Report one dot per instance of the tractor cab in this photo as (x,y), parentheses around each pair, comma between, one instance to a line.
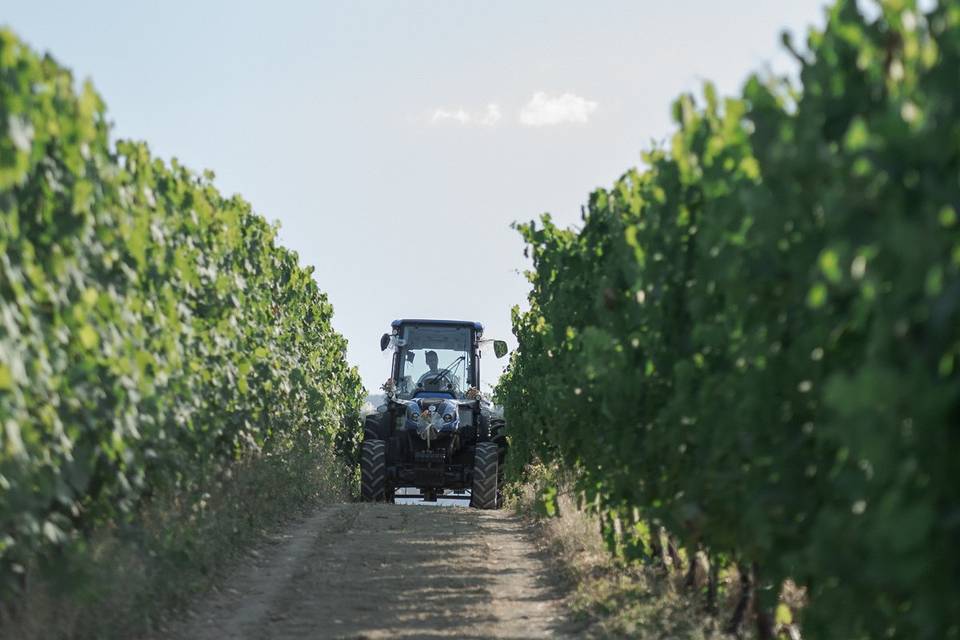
(436,358)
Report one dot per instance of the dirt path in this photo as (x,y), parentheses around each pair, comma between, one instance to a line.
(386,571)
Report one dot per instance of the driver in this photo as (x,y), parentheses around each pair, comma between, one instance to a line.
(436,377)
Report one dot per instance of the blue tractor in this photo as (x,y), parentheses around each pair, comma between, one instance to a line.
(435,431)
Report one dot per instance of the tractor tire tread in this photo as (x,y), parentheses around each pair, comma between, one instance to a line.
(373,471)
(486,477)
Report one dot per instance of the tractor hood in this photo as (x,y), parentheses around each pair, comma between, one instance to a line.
(439,415)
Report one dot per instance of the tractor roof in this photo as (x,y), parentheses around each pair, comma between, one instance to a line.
(439,323)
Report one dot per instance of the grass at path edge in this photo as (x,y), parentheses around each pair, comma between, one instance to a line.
(128,580)
(609,598)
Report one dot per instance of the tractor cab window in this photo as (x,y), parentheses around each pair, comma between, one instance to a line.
(434,359)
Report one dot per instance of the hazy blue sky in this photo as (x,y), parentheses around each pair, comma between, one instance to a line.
(397,141)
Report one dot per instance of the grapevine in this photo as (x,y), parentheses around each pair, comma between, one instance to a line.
(150,328)
(754,339)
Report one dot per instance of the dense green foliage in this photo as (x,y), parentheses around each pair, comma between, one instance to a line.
(756,339)
(150,328)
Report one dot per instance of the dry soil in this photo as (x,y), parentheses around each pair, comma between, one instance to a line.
(388,571)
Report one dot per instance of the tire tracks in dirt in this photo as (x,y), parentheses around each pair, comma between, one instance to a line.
(389,571)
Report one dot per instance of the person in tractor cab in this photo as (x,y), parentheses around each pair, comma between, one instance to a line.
(435,376)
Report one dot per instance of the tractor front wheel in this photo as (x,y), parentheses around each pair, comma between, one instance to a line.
(498,436)
(373,471)
(484,492)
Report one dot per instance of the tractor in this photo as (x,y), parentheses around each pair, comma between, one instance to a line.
(435,431)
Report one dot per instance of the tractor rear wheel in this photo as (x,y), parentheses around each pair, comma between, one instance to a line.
(484,492)
(373,471)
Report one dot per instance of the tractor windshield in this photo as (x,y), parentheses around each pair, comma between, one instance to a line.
(434,359)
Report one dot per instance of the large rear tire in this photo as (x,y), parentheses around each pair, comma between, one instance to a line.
(483,495)
(373,471)
(498,435)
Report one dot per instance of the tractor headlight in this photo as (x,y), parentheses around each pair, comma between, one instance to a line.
(450,414)
(412,413)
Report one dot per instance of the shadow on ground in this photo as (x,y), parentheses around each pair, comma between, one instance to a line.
(405,571)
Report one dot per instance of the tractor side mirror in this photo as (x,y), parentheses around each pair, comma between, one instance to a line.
(384,341)
(499,348)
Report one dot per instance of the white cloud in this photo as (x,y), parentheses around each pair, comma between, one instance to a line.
(544,110)
(492,115)
(488,118)
(459,115)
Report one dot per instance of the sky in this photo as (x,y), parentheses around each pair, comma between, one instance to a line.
(396,141)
